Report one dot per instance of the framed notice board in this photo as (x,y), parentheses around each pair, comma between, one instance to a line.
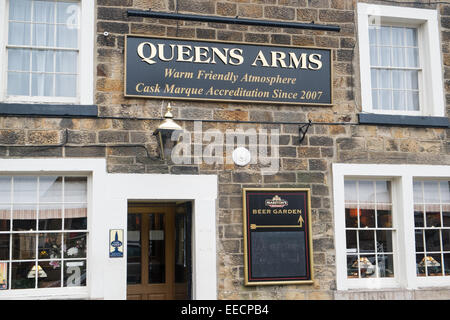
(277,236)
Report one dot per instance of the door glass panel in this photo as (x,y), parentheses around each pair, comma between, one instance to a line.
(180,248)
(134,249)
(156,249)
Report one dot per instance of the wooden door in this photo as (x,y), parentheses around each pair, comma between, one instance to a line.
(154,237)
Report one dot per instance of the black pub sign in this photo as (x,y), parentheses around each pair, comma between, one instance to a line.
(277,236)
(221,71)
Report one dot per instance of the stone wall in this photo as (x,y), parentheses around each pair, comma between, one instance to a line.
(123,132)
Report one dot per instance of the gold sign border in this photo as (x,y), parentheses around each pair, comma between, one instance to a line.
(244,213)
(228,100)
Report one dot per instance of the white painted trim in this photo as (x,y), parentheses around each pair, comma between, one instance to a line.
(403,205)
(107,209)
(431,90)
(85,79)
(3,36)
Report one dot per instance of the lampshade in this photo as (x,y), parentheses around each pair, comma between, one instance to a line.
(164,134)
(41,272)
(429,261)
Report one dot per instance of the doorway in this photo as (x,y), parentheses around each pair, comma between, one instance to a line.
(159,251)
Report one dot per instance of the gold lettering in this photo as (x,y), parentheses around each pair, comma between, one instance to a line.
(140,52)
(295,61)
(315,61)
(262,58)
(278,56)
(199,54)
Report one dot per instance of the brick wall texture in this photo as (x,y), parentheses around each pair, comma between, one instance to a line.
(128,145)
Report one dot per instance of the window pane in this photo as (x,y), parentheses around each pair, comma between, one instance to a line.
(25,189)
(350,191)
(19,33)
(66,61)
(52,271)
(398,79)
(42,85)
(351,217)
(75,245)
(447,264)
(374,55)
(66,37)
(385,36)
(385,79)
(5,189)
(446,240)
(18,84)
(156,249)
(386,56)
(432,240)
(418,215)
(43,60)
(366,241)
(433,215)
(19,60)
(367,266)
(22,275)
(446,215)
(397,37)
(418,192)
(419,240)
(44,35)
(74,273)
(374,78)
(75,217)
(75,189)
(20,10)
(384,216)
(399,100)
(375,99)
(412,98)
(431,191)
(411,37)
(4,246)
(68,13)
(412,57)
(398,57)
(50,217)
(44,11)
(384,241)
(434,265)
(24,217)
(385,265)
(49,246)
(383,193)
(367,218)
(50,189)
(5,217)
(445,191)
(66,85)
(420,265)
(386,99)
(352,266)
(366,192)
(352,246)
(372,35)
(23,246)
(412,80)
(134,249)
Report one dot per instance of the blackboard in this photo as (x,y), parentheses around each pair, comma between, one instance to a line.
(277,236)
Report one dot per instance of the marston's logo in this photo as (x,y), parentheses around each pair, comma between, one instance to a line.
(276,202)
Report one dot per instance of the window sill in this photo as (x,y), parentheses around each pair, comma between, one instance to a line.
(53,110)
(399,120)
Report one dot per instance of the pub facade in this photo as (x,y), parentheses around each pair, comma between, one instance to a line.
(221,149)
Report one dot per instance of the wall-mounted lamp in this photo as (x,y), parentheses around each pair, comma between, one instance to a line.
(164,134)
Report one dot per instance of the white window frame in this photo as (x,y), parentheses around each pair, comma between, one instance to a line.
(85,78)
(401,177)
(431,90)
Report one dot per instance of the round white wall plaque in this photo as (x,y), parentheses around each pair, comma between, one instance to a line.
(241,156)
